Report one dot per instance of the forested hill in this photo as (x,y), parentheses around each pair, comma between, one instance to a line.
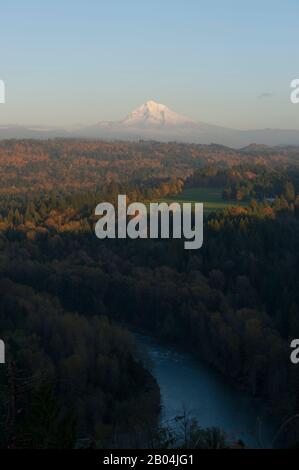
(69,165)
(66,297)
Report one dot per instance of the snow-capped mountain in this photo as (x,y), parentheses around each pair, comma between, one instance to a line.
(155,121)
(154,114)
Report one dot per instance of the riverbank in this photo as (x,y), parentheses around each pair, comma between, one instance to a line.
(191,386)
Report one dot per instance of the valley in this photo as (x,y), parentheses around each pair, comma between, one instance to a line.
(68,298)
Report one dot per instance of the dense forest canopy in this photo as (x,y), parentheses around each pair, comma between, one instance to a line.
(87,165)
(67,298)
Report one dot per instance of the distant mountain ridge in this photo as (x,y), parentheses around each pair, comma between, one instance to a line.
(155,121)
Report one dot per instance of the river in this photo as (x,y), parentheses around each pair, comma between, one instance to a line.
(195,386)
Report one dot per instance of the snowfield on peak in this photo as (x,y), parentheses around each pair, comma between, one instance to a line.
(154,114)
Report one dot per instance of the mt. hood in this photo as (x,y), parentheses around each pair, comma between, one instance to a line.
(154,121)
(154,114)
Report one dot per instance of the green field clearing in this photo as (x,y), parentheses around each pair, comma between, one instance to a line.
(210,197)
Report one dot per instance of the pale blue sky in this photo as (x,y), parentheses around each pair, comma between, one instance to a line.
(225,62)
